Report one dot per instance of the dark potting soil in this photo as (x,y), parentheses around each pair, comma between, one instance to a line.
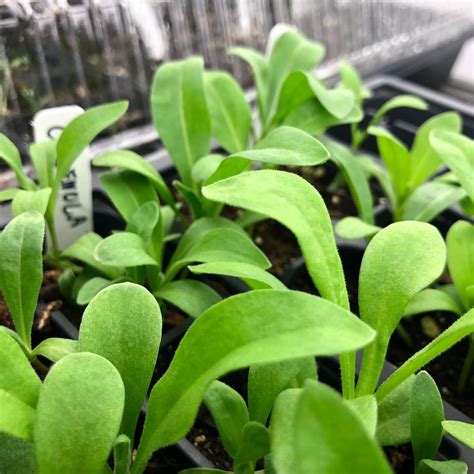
(401,458)
(444,369)
(167,460)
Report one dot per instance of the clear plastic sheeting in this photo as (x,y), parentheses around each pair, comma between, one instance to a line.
(55,52)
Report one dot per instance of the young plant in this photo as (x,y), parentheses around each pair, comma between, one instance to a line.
(400,261)
(52,162)
(457,298)
(104,383)
(406,176)
(21,274)
(136,255)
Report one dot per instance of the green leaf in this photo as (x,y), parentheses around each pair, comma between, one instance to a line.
(90,288)
(220,245)
(266,381)
(430,300)
(442,467)
(206,166)
(460,245)
(16,417)
(82,393)
(424,159)
(301,86)
(8,194)
(229,111)
(83,250)
(373,169)
(461,328)
(192,198)
(123,249)
(255,443)
(282,431)
(322,419)
(351,80)
(366,409)
(143,221)
(191,296)
(355,178)
(21,269)
(457,151)
(11,156)
(55,348)
(287,146)
(43,157)
(130,161)
(123,324)
(464,432)
(393,424)
(395,156)
(16,455)
(355,228)
(254,276)
(312,117)
(128,191)
(198,230)
(78,134)
(426,415)
(230,414)
(259,66)
(25,201)
(256,329)
(180,113)
(400,261)
(122,455)
(294,203)
(409,101)
(290,52)
(430,199)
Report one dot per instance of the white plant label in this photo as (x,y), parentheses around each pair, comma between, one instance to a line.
(73,212)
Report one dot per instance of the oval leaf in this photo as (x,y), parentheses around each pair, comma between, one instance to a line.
(123,249)
(90,387)
(123,324)
(400,261)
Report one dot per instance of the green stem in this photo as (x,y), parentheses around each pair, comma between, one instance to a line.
(467,366)
(371,368)
(54,237)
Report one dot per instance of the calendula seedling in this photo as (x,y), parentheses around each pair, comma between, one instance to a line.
(52,161)
(400,261)
(406,179)
(457,298)
(105,382)
(136,255)
(21,274)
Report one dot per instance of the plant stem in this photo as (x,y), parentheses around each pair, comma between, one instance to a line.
(54,237)
(467,366)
